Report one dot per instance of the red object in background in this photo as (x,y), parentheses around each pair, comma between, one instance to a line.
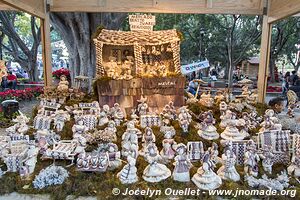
(60,72)
(11,77)
(25,94)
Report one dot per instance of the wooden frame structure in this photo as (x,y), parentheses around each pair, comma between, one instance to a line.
(273,10)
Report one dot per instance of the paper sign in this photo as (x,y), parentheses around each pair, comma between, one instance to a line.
(186,69)
(141,22)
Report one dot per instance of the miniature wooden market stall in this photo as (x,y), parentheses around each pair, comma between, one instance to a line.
(135,64)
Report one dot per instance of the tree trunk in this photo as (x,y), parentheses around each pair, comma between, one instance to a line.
(76,30)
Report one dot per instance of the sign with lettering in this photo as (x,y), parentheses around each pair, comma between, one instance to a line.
(141,22)
(186,69)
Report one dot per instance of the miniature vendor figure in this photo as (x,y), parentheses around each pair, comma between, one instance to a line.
(208,131)
(63,85)
(251,160)
(182,164)
(155,171)
(128,174)
(184,119)
(228,171)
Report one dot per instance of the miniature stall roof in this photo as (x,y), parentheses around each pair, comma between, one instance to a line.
(112,37)
(273,10)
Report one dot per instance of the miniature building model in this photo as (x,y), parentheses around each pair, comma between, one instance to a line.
(144,51)
(135,64)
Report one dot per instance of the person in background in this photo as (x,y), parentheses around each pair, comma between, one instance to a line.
(10,80)
(192,87)
(296,88)
(25,75)
(277,104)
(285,82)
(294,77)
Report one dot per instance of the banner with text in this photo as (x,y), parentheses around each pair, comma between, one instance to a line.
(186,69)
(141,22)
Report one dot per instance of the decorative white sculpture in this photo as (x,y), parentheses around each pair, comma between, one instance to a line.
(109,133)
(223,107)
(294,167)
(20,127)
(182,165)
(52,175)
(268,159)
(148,137)
(92,161)
(279,183)
(206,178)
(184,119)
(206,99)
(169,111)
(130,140)
(63,85)
(228,171)
(168,152)
(59,119)
(79,128)
(103,116)
(207,129)
(251,160)
(231,132)
(142,108)
(271,122)
(195,150)
(128,174)
(155,171)
(219,96)
(117,114)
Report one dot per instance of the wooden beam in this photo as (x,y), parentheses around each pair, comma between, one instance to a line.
(33,7)
(46,49)
(253,7)
(264,59)
(279,9)
(4,6)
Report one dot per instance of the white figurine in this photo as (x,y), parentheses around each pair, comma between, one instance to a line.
(31,158)
(114,156)
(228,171)
(271,122)
(223,107)
(208,131)
(168,151)
(231,132)
(268,159)
(251,160)
(79,128)
(20,127)
(129,140)
(206,178)
(110,131)
(206,99)
(148,137)
(182,165)
(103,116)
(142,108)
(128,174)
(155,171)
(117,114)
(184,119)
(294,167)
(59,120)
(219,97)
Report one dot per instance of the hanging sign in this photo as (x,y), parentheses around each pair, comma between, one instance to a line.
(186,69)
(141,22)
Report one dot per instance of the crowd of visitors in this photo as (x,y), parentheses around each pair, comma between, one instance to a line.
(291,82)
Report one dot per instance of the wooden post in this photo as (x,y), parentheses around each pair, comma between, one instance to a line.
(46,49)
(264,59)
